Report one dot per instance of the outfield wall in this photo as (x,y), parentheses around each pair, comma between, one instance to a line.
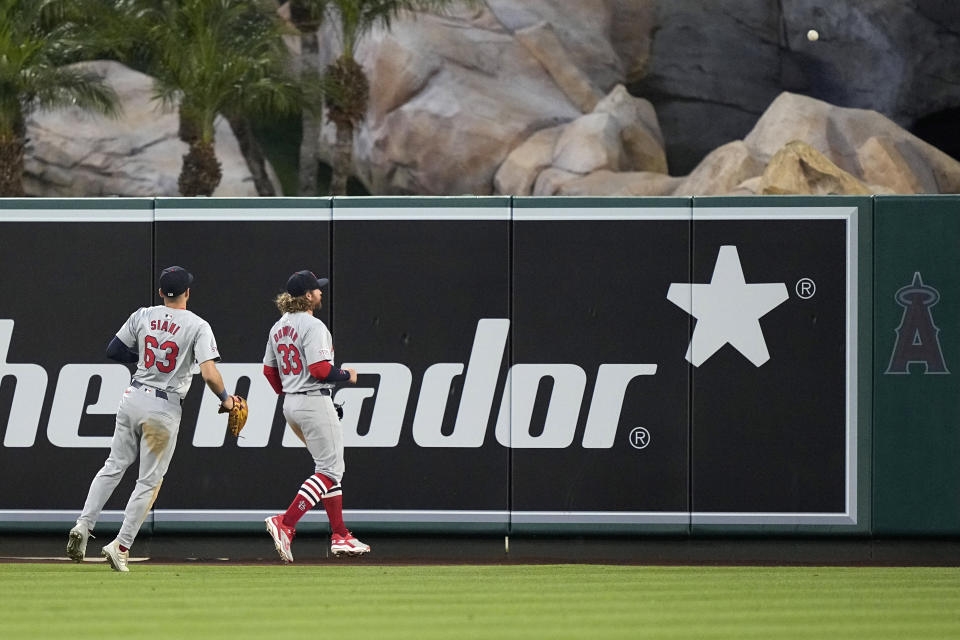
(681,366)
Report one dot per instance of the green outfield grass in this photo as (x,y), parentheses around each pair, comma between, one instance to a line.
(457,602)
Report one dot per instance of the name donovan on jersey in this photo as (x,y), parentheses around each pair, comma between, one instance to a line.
(286,331)
(390,400)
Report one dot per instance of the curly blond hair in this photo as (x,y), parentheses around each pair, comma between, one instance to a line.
(286,303)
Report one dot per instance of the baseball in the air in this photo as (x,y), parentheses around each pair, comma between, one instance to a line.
(812,35)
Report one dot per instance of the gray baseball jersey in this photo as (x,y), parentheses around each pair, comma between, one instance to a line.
(172,342)
(296,341)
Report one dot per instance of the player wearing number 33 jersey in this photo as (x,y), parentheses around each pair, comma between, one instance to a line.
(169,344)
(299,363)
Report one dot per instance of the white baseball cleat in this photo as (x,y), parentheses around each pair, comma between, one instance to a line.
(77,542)
(347,545)
(116,558)
(282,536)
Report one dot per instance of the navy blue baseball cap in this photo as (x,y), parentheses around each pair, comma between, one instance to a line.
(174,281)
(303,281)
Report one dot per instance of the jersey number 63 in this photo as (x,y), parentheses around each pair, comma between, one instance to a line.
(170,353)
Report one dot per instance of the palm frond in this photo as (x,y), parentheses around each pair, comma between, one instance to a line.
(38,38)
(76,87)
(218,56)
(357,17)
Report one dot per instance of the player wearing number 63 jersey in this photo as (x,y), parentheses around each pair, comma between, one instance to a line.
(299,363)
(169,344)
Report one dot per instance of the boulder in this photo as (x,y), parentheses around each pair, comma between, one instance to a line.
(589,143)
(401,73)
(715,65)
(798,168)
(551,180)
(749,187)
(453,95)
(72,153)
(583,26)
(541,41)
(721,171)
(839,133)
(640,132)
(622,133)
(883,164)
(519,171)
(623,183)
(799,145)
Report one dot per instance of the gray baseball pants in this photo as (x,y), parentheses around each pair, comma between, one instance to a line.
(148,424)
(317,420)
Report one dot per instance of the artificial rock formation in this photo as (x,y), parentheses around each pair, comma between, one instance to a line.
(504,97)
(863,143)
(714,66)
(609,183)
(799,168)
(800,145)
(721,171)
(453,95)
(72,153)
(459,101)
(621,134)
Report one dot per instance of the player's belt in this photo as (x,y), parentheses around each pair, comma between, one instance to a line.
(163,395)
(312,392)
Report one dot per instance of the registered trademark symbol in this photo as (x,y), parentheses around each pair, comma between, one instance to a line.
(639,438)
(806,288)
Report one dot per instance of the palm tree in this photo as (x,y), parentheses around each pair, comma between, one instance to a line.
(252,152)
(307,16)
(348,89)
(37,38)
(210,57)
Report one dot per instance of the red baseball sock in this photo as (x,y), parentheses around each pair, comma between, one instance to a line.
(334,508)
(295,511)
(311,491)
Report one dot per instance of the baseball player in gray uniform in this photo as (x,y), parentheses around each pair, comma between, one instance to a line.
(169,344)
(299,363)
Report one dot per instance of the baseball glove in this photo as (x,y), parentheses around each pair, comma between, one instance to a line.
(238,415)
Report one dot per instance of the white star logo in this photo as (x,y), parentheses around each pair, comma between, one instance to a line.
(728,310)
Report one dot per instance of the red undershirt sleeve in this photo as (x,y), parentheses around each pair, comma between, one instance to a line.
(320,370)
(272,374)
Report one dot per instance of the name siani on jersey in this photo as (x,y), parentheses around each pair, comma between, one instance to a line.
(165,325)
